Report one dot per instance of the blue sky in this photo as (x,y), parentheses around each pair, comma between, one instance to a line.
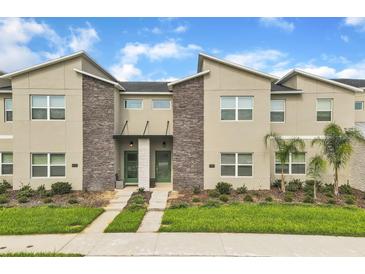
(167,48)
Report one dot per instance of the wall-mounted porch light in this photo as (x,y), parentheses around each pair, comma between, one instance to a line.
(164,144)
(131,144)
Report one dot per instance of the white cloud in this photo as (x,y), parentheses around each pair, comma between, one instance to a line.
(357,22)
(125,71)
(181,29)
(83,38)
(345,38)
(277,22)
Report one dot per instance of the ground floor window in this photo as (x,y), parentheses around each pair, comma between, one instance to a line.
(236,164)
(294,164)
(48,165)
(6,163)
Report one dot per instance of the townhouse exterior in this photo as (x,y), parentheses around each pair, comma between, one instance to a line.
(70,120)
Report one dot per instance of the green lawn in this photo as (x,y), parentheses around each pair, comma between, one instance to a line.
(40,254)
(127,221)
(43,220)
(267,218)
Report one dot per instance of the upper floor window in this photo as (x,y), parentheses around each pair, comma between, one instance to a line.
(236,164)
(133,104)
(48,107)
(161,104)
(277,113)
(8,108)
(294,164)
(324,110)
(236,108)
(359,105)
(48,165)
(6,163)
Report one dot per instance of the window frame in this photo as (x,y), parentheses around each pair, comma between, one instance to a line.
(284,111)
(125,105)
(236,165)
(236,109)
(48,107)
(48,165)
(331,111)
(1,163)
(362,105)
(154,100)
(7,110)
(290,165)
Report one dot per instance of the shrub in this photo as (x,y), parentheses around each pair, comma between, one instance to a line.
(25,191)
(73,201)
(41,190)
(248,198)
(196,190)
(6,184)
(277,183)
(138,199)
(195,200)
(345,189)
(268,199)
(331,201)
(223,188)
(211,203)
(294,185)
(141,190)
(327,188)
(350,200)
(2,189)
(3,199)
(23,199)
(308,199)
(179,205)
(241,189)
(224,198)
(329,194)
(61,188)
(213,193)
(48,200)
(288,197)
(134,207)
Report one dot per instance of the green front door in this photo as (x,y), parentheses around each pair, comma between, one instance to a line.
(163,166)
(131,166)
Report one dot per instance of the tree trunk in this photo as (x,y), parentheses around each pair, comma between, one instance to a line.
(336,182)
(315,190)
(282,179)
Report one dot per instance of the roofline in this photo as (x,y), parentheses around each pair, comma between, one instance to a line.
(310,75)
(171,84)
(146,93)
(116,84)
(55,61)
(234,65)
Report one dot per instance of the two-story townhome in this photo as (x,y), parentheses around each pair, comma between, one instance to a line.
(70,120)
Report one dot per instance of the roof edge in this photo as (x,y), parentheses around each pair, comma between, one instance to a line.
(116,84)
(234,65)
(171,84)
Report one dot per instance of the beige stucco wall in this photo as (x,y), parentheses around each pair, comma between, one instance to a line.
(137,118)
(48,136)
(235,136)
(91,68)
(360,114)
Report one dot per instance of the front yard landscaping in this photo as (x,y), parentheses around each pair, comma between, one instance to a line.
(132,215)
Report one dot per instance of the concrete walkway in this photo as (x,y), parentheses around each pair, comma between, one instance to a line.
(186,244)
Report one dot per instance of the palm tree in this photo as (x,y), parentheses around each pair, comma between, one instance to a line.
(316,168)
(337,147)
(284,148)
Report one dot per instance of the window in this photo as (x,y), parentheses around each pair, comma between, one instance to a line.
(324,110)
(48,165)
(48,107)
(8,107)
(359,105)
(6,163)
(161,104)
(236,108)
(133,104)
(294,164)
(277,113)
(236,164)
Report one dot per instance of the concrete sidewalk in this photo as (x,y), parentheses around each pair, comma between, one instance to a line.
(186,244)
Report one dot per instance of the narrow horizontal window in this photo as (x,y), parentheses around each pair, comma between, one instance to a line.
(161,104)
(277,113)
(133,104)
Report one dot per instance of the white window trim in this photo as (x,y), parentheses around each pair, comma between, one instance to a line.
(236,165)
(362,105)
(1,164)
(48,165)
(125,107)
(290,165)
(48,108)
(169,108)
(236,109)
(278,122)
(7,110)
(331,99)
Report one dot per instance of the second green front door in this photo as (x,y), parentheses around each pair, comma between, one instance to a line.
(131,167)
(163,166)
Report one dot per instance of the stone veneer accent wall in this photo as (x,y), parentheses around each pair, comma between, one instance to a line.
(98,129)
(357,166)
(188,134)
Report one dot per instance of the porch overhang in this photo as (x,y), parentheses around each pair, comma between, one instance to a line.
(121,137)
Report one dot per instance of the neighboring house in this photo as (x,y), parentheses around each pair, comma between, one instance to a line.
(70,120)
